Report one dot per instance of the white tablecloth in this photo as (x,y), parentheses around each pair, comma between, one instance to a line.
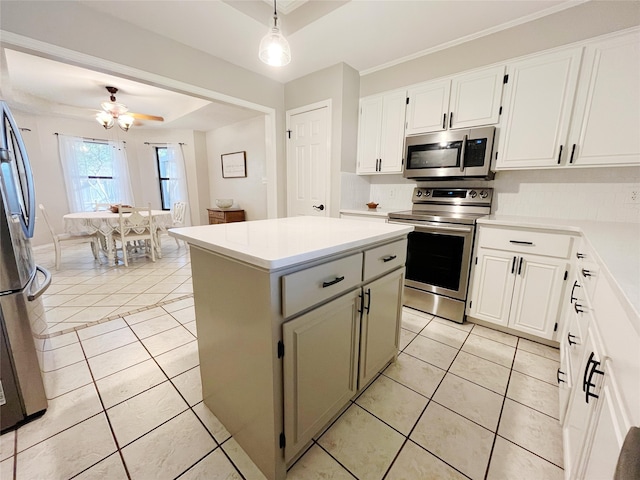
(106,222)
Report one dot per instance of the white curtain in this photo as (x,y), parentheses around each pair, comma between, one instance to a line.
(82,192)
(70,150)
(122,181)
(175,170)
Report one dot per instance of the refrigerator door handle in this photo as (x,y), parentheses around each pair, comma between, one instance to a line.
(31,295)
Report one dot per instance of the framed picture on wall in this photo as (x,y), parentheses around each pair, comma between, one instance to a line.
(234,164)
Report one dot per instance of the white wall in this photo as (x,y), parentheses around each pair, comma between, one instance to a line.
(250,192)
(340,84)
(582,194)
(601,194)
(42,148)
(73,26)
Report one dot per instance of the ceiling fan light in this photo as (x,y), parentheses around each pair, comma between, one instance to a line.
(274,49)
(114,108)
(125,122)
(105,120)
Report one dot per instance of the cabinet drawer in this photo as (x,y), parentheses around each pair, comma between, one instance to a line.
(303,289)
(214,214)
(587,268)
(526,241)
(384,258)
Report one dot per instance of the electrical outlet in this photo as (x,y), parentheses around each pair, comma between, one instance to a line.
(633,195)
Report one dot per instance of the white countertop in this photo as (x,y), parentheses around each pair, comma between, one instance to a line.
(616,244)
(377,212)
(283,242)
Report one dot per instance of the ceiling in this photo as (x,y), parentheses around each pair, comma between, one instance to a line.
(365,34)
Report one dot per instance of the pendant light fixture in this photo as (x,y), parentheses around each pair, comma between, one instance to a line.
(274,48)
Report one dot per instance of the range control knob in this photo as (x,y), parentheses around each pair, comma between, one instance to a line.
(473,194)
(419,193)
(427,193)
(484,194)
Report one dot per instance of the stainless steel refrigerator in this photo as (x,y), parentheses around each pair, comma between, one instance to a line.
(22,282)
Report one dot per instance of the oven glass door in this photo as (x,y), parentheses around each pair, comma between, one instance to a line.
(438,259)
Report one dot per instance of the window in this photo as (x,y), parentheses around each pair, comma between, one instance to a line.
(95,171)
(95,168)
(164,167)
(171,174)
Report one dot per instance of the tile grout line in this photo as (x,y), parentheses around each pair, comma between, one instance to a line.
(189,407)
(504,400)
(408,437)
(104,410)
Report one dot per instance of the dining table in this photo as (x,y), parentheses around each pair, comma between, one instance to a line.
(104,223)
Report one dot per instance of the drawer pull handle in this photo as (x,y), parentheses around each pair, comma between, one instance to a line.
(575,284)
(389,258)
(569,337)
(578,308)
(580,255)
(332,282)
(520,267)
(558,376)
(520,242)
(587,384)
(586,273)
(368,294)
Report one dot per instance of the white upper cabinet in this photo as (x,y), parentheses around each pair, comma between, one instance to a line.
(538,100)
(467,100)
(428,107)
(475,98)
(381,133)
(606,122)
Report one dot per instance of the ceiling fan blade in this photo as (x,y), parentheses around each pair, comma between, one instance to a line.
(144,116)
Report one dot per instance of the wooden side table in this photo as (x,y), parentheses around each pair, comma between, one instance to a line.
(225,215)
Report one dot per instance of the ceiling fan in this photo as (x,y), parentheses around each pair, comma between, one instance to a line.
(114,112)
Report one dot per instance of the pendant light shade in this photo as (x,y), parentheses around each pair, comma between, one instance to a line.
(274,49)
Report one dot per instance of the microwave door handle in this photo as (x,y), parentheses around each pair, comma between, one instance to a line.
(462,152)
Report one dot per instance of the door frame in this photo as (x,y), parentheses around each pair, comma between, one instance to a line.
(65,55)
(304,109)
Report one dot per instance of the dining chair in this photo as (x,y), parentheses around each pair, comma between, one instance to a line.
(178,213)
(135,231)
(59,238)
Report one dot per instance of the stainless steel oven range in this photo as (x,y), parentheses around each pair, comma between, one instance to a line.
(439,249)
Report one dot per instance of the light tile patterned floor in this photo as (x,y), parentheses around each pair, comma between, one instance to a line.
(462,401)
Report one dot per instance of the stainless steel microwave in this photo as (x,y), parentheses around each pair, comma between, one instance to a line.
(450,154)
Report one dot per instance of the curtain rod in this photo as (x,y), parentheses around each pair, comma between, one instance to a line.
(88,138)
(162,143)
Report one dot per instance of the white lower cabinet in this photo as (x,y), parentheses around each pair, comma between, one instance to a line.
(320,367)
(520,291)
(595,425)
(336,349)
(380,328)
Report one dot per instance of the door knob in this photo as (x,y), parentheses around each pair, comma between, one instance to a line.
(319,207)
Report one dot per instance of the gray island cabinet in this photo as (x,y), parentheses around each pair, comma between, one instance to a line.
(295,316)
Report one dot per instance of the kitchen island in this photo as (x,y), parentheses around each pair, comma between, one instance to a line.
(295,316)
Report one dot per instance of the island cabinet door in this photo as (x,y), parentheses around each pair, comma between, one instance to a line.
(380,324)
(320,367)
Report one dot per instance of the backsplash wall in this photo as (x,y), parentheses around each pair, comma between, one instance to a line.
(602,194)
(582,194)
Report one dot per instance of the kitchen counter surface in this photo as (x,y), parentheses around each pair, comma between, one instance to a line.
(378,212)
(616,244)
(284,242)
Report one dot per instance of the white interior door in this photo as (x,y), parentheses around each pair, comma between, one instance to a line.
(308,163)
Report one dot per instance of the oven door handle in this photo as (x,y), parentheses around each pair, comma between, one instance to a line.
(433,227)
